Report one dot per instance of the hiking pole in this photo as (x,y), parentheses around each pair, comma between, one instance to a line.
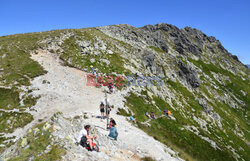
(106,109)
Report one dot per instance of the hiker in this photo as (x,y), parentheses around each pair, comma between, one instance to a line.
(110,87)
(133,119)
(108,109)
(152,115)
(165,112)
(84,139)
(102,109)
(93,70)
(149,117)
(110,123)
(169,113)
(113,131)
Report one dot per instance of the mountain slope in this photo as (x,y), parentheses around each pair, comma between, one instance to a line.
(65,106)
(186,71)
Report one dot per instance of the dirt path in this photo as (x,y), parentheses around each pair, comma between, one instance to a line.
(66,90)
(62,89)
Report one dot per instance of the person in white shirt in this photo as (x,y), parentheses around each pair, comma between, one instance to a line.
(85,133)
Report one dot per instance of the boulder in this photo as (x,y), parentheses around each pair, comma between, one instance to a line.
(189,74)
(148,60)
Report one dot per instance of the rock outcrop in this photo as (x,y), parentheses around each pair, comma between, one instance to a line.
(189,74)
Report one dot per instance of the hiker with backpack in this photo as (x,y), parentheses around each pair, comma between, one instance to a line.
(110,87)
(168,113)
(108,109)
(102,109)
(113,131)
(84,139)
(93,70)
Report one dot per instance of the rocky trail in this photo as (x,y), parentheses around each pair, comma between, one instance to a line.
(63,89)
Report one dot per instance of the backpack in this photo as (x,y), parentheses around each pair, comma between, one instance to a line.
(108,107)
(83,142)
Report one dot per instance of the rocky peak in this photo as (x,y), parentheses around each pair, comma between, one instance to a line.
(160,26)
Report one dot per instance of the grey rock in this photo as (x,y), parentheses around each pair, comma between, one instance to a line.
(189,74)
(216,116)
(208,109)
(149,59)
(163,46)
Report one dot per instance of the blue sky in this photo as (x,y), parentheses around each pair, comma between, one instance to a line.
(227,20)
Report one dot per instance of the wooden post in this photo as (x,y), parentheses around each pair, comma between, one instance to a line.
(106,109)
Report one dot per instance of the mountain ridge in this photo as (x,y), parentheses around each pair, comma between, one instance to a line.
(186,27)
(204,85)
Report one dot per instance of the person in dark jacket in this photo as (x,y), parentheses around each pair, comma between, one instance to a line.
(102,109)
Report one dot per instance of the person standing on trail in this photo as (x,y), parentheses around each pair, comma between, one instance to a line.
(93,70)
(102,109)
(110,87)
(108,109)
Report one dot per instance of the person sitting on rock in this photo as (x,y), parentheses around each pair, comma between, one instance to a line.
(165,112)
(110,123)
(133,119)
(147,114)
(152,115)
(169,113)
(113,131)
(84,139)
